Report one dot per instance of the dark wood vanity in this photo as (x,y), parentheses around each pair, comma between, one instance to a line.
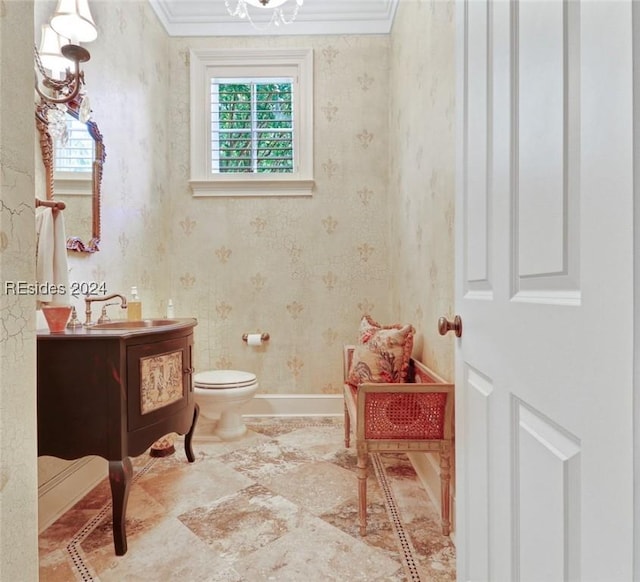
(113,393)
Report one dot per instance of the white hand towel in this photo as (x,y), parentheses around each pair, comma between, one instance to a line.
(52,269)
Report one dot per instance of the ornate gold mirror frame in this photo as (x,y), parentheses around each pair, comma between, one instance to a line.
(74,243)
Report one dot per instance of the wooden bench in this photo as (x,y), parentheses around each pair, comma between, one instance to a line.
(409,417)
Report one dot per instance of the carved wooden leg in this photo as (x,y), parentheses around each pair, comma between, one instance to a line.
(445,480)
(347,426)
(362,488)
(120,473)
(189,436)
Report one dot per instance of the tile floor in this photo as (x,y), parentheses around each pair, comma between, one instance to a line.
(279,504)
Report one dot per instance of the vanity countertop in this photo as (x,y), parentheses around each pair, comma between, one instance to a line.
(93,332)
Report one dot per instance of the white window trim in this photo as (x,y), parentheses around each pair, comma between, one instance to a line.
(205,63)
(73,183)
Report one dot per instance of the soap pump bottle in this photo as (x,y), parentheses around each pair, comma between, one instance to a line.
(134,306)
(170,310)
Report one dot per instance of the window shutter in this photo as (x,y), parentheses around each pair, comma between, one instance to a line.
(77,154)
(252,125)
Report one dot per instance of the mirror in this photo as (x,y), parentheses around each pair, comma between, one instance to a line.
(73,171)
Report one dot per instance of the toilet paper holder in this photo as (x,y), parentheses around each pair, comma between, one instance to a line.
(263,337)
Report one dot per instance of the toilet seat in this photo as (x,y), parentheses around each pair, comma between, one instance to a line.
(221,379)
(220,395)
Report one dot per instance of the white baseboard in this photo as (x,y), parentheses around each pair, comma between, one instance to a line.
(428,469)
(64,489)
(426,466)
(295,405)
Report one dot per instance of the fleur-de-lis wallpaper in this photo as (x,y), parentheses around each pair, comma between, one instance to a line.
(297,268)
(421,174)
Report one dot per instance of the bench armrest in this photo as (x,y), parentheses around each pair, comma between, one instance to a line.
(347,358)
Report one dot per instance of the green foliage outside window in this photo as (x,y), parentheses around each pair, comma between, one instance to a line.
(255,130)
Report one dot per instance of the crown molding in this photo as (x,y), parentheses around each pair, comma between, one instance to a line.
(207,18)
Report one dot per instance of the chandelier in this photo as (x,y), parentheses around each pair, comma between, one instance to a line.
(278,14)
(60,54)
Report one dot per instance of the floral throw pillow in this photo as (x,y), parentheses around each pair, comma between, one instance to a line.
(382,353)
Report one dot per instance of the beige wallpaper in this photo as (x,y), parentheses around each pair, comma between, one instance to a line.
(128,77)
(302,269)
(18,493)
(127,81)
(421,174)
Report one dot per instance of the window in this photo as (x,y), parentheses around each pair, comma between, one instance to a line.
(73,159)
(251,123)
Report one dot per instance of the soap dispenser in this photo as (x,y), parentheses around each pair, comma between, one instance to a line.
(134,306)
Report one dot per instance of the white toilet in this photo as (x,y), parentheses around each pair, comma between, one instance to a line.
(221,393)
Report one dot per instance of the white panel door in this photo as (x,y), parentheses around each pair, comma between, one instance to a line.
(544,287)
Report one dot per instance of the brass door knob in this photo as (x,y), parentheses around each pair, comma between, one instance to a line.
(445,326)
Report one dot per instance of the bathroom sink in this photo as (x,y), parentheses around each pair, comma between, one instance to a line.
(142,323)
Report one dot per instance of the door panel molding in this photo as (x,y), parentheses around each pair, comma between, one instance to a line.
(478,121)
(546,154)
(477,400)
(546,497)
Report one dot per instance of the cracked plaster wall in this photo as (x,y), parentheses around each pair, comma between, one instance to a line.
(18,473)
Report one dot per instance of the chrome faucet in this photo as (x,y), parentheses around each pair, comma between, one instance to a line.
(88,300)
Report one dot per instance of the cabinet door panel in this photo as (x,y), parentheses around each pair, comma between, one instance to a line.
(158,381)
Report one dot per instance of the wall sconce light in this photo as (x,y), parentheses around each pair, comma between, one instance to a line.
(60,50)
(278,15)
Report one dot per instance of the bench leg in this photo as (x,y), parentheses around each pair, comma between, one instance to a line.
(445,496)
(347,426)
(362,488)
